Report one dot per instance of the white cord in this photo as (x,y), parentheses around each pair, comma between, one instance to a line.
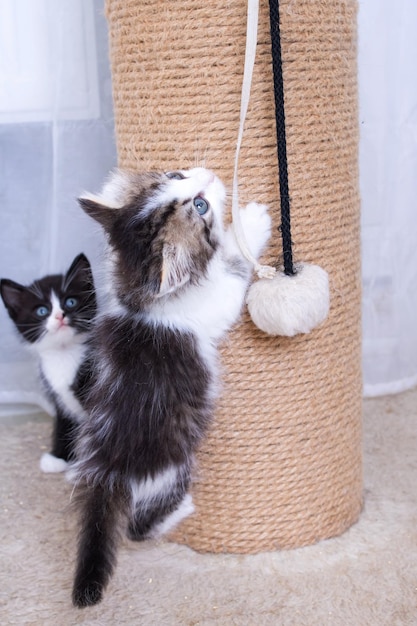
(263,271)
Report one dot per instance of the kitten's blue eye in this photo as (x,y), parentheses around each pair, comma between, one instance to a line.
(175,175)
(42,311)
(70,303)
(201,205)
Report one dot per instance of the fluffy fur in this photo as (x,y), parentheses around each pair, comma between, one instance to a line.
(289,305)
(178,283)
(53,316)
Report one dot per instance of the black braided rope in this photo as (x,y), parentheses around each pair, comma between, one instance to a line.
(281,136)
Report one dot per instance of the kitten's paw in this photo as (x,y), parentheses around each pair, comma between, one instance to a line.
(51,464)
(256,224)
(184,509)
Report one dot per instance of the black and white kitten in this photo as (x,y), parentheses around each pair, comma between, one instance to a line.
(178,284)
(54,315)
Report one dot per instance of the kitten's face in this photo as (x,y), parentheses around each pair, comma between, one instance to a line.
(53,309)
(163,227)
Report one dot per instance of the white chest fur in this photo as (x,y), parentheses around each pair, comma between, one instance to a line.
(60,366)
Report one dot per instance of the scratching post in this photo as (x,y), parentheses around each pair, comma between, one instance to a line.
(281,466)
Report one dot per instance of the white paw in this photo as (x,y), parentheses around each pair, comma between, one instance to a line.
(184,509)
(256,224)
(51,464)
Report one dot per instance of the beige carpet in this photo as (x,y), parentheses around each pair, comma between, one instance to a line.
(367,577)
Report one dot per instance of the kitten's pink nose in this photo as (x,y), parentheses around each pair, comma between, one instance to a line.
(59,316)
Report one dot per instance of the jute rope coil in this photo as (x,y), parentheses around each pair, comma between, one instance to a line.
(281,467)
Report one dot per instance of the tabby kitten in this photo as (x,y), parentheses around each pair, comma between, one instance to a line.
(53,316)
(178,283)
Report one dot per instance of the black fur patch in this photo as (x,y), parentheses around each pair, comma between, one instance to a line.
(155,401)
(146,415)
(65,427)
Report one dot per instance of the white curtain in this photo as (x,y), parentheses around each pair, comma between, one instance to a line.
(56,140)
(388,178)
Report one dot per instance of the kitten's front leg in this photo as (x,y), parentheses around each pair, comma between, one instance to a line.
(256,226)
(63,443)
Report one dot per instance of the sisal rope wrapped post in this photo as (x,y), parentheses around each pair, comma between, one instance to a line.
(281,467)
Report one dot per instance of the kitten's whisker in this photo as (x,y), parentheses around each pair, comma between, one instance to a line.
(33,334)
(204,159)
(200,161)
(32,331)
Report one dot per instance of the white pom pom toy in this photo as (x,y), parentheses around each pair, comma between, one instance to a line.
(296,299)
(289,305)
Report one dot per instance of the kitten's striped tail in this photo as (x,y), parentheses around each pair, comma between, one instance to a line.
(98,541)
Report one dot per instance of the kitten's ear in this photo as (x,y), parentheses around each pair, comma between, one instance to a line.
(103,214)
(11,294)
(174,271)
(80,267)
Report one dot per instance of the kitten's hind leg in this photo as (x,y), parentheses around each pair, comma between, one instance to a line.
(140,524)
(159,503)
(97,544)
(150,524)
(183,510)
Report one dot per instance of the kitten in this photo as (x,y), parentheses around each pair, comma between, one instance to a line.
(53,315)
(178,284)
